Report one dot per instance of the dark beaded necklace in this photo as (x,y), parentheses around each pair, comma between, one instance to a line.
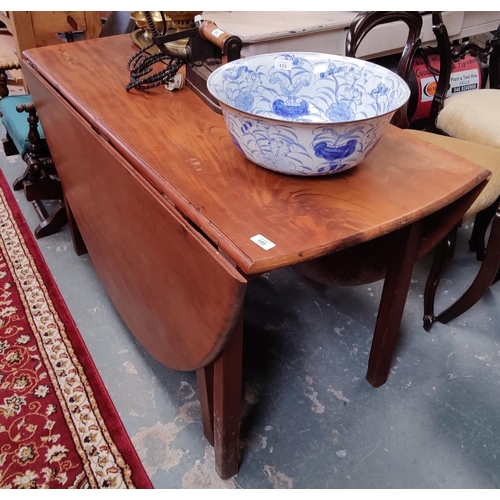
(140,65)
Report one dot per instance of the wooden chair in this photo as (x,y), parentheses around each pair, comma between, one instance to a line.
(471,115)
(469,120)
(25,136)
(489,157)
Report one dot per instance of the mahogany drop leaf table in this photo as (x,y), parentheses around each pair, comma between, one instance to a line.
(176,220)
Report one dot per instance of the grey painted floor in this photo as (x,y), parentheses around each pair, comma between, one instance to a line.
(310,418)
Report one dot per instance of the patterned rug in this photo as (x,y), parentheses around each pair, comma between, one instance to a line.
(58,426)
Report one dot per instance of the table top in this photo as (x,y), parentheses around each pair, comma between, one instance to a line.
(184,150)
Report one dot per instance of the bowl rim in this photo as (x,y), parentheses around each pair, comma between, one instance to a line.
(361,62)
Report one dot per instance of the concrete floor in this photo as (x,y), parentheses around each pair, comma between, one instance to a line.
(311,420)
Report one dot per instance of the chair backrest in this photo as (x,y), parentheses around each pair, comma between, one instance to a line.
(449,54)
(494,66)
(366,21)
(445,69)
(491,49)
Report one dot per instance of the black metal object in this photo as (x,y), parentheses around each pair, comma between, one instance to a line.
(490,50)
(203,54)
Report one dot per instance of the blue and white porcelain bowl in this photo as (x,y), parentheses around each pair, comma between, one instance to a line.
(306,113)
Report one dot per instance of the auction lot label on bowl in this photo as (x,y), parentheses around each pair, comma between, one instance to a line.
(284,63)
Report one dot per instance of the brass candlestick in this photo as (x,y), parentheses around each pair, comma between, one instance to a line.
(139,17)
(181,21)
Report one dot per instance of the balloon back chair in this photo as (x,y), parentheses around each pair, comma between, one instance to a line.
(24,136)
(485,206)
(472,115)
(468,122)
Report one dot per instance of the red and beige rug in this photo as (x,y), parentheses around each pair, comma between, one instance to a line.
(58,426)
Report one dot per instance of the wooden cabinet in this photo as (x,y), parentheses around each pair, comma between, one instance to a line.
(36,29)
(32,29)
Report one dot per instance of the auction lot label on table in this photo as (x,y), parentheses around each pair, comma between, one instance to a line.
(263,242)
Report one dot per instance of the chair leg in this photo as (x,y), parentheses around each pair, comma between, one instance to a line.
(18,184)
(488,273)
(442,259)
(481,223)
(78,243)
(9,148)
(43,189)
(50,223)
(496,278)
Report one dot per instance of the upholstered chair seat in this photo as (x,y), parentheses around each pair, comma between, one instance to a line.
(486,156)
(472,116)
(15,123)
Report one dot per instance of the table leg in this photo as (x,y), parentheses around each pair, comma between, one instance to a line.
(76,237)
(220,385)
(485,277)
(405,244)
(205,378)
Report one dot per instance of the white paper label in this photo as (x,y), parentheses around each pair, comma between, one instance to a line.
(217,33)
(282,63)
(460,81)
(262,242)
